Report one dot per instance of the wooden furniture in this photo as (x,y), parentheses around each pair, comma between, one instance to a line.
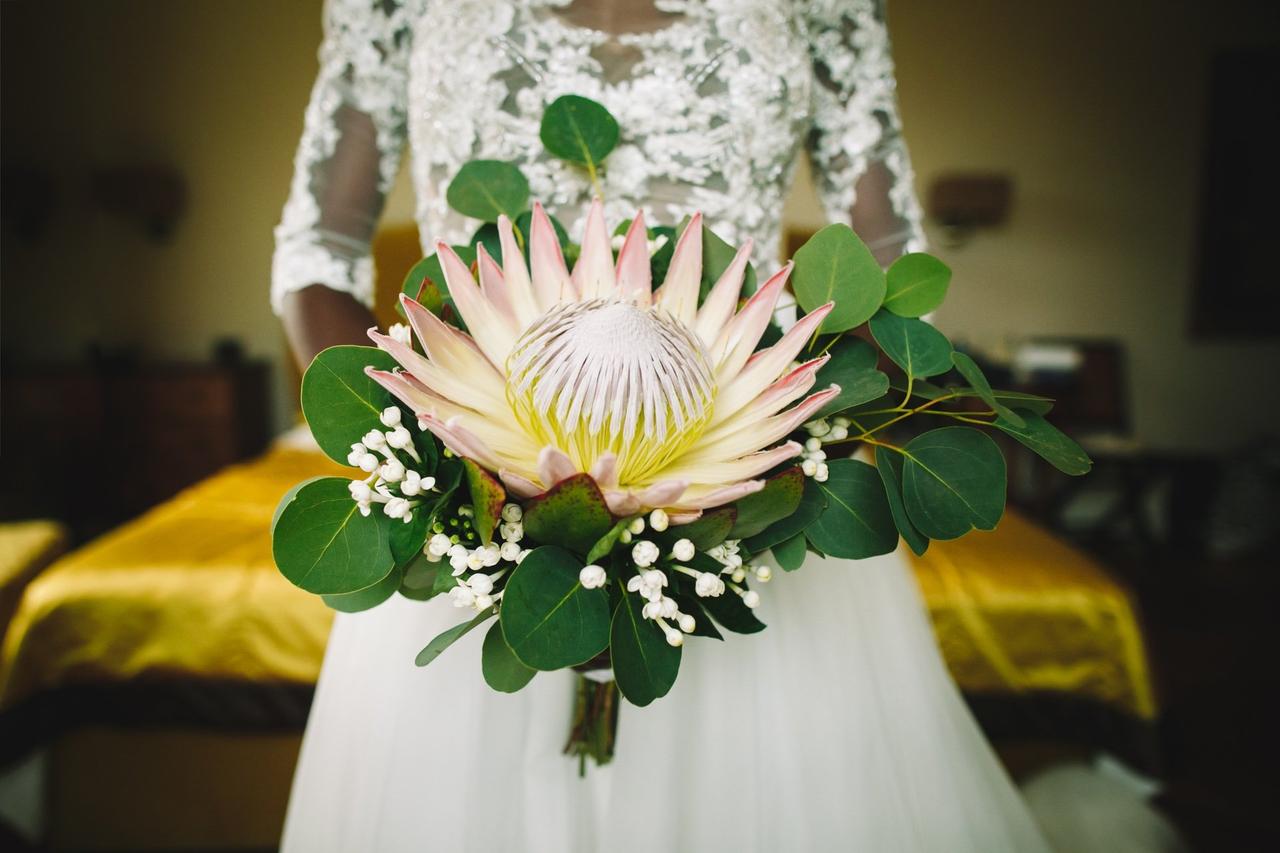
(94,446)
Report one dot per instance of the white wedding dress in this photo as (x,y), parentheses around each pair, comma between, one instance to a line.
(838,727)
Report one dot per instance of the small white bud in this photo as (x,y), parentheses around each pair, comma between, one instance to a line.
(510,551)
(490,555)
(374,440)
(683,550)
(526,552)
(739,575)
(655,577)
(687,623)
(399,438)
(652,610)
(358,452)
(512,513)
(511,531)
(809,467)
(360,491)
(457,549)
(462,596)
(368,463)
(411,484)
(390,416)
(818,428)
(636,526)
(392,471)
(839,433)
(840,421)
(820,476)
(659,520)
(708,585)
(764,574)
(751,598)
(475,560)
(625,537)
(483,602)
(813,443)
(592,577)
(668,608)
(399,332)
(481,584)
(675,638)
(365,510)
(644,553)
(458,562)
(397,508)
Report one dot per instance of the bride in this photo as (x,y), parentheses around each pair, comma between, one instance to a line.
(838,728)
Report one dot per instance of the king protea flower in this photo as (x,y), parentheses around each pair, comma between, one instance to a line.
(664,403)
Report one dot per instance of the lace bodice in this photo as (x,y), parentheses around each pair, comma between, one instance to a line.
(714,106)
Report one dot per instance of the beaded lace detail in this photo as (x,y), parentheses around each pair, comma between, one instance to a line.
(714,106)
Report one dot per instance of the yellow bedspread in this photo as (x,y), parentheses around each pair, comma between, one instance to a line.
(189,591)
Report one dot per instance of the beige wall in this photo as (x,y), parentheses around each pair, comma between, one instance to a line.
(1094,108)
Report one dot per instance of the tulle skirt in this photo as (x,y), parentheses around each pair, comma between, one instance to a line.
(836,728)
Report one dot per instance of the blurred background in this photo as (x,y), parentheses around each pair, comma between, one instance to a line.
(1102,177)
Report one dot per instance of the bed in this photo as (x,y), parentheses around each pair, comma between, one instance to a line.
(175,635)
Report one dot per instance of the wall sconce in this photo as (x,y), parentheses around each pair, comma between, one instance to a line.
(155,196)
(961,202)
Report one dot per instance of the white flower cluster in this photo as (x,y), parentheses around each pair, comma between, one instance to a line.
(390,482)
(474,584)
(814,458)
(728,555)
(650,583)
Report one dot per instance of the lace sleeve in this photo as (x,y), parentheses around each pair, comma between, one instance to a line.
(862,170)
(349,155)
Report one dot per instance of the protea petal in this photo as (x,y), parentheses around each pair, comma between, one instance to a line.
(635,281)
(519,486)
(783,392)
(493,287)
(469,386)
(679,291)
(763,367)
(709,498)
(731,470)
(516,274)
(678,517)
(663,493)
(493,332)
(717,309)
(551,282)
(554,465)
(741,436)
(605,471)
(593,274)
(461,441)
(740,336)
(450,347)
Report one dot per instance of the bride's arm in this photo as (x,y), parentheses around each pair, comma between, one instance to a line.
(861,166)
(322,272)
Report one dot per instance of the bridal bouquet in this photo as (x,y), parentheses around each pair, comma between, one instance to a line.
(592,448)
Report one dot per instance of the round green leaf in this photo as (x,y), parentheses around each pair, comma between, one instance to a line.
(340,402)
(550,621)
(365,599)
(914,345)
(323,544)
(777,500)
(645,665)
(853,368)
(579,130)
(419,578)
(485,189)
(502,670)
(791,553)
(487,235)
(407,539)
(812,502)
(1050,443)
(916,284)
(889,465)
(857,522)
(835,266)
(953,481)
(706,532)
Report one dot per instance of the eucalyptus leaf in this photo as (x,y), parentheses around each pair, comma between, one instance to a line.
(706,532)
(692,605)
(835,266)
(406,540)
(790,553)
(579,130)
(914,345)
(973,374)
(487,235)
(953,481)
(428,270)
(857,522)
(605,543)
(323,544)
(487,499)
(445,639)
(916,284)
(1050,443)
(853,368)
(419,578)
(502,670)
(777,500)
(368,598)
(549,619)
(812,502)
(486,189)
(889,465)
(644,664)
(340,402)
(524,222)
